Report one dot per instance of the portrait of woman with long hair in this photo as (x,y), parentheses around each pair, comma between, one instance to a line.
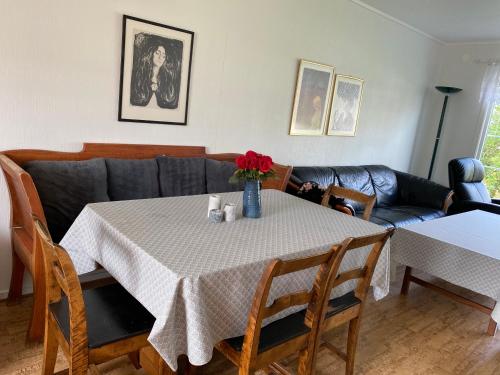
(156,71)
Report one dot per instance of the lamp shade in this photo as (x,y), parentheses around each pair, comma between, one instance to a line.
(448,90)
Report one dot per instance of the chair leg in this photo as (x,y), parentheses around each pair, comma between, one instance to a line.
(134,358)
(93,370)
(352,341)
(79,362)
(16,278)
(50,347)
(35,330)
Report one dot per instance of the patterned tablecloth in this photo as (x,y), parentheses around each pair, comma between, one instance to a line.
(198,278)
(462,249)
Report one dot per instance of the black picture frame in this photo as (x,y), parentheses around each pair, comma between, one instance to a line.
(134,109)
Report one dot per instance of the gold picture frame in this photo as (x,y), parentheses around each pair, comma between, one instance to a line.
(346,105)
(312,98)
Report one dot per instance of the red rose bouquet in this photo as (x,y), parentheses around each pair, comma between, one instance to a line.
(253,166)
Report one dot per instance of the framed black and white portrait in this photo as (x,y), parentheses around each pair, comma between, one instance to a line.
(346,103)
(312,96)
(155,72)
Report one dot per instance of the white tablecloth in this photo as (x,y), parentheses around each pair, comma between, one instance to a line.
(462,249)
(198,278)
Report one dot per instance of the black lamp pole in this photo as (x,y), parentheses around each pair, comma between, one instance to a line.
(445,90)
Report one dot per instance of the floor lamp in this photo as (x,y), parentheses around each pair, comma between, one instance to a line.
(448,91)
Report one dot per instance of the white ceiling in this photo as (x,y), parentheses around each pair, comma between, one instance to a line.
(450,21)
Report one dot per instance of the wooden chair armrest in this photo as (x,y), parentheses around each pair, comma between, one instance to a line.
(448,201)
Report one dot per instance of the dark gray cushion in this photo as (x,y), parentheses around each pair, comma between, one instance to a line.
(65,187)
(132,179)
(181,176)
(218,174)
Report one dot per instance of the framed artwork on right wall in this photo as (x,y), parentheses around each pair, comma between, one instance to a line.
(346,102)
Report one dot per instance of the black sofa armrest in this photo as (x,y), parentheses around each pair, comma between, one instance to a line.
(294,184)
(417,191)
(495,201)
(467,205)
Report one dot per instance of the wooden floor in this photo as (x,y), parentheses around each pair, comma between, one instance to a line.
(424,333)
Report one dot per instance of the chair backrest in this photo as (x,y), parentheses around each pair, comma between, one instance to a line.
(61,282)
(368,201)
(466,176)
(362,274)
(328,264)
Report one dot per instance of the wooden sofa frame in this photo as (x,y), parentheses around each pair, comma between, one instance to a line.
(25,202)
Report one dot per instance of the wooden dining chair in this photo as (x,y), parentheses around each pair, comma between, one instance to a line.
(261,347)
(340,192)
(349,307)
(92,326)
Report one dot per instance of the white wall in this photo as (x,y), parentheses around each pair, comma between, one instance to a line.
(462,126)
(59,78)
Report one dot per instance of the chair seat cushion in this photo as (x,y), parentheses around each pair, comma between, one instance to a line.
(292,326)
(132,179)
(112,315)
(65,188)
(97,278)
(276,333)
(339,304)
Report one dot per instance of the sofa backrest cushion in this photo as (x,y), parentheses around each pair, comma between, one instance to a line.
(323,176)
(132,179)
(355,178)
(65,187)
(384,183)
(181,176)
(218,174)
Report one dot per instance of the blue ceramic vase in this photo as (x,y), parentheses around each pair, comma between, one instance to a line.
(251,199)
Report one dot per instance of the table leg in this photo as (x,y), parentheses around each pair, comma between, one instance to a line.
(406,281)
(492,327)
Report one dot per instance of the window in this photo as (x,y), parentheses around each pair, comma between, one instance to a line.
(490,154)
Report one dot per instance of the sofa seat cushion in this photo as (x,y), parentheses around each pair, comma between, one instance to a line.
(376,220)
(218,174)
(65,187)
(424,213)
(181,176)
(397,218)
(132,179)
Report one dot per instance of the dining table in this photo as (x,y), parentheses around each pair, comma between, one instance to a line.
(198,278)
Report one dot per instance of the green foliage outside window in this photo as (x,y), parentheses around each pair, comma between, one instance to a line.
(490,156)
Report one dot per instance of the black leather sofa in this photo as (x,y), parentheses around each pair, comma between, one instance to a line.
(466,176)
(402,198)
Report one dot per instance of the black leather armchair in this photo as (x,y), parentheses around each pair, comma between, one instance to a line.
(466,176)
